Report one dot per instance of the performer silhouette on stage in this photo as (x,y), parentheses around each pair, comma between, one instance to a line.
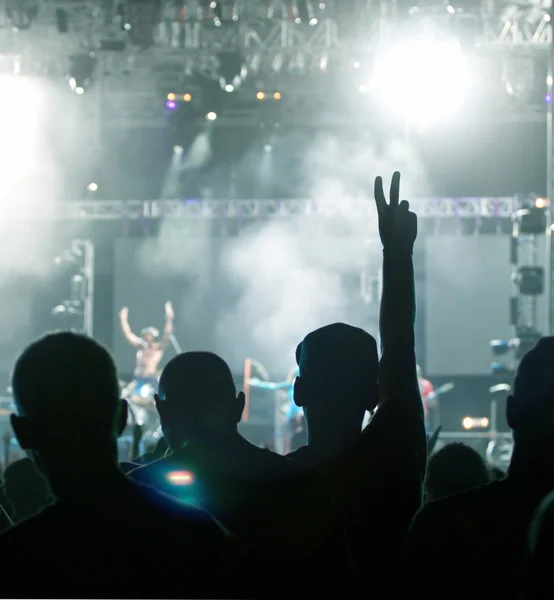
(150,350)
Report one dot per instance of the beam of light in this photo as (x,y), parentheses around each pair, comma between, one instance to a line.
(422,81)
(200,151)
(20,104)
(211,116)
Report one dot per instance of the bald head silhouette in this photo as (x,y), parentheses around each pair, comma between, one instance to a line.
(197,397)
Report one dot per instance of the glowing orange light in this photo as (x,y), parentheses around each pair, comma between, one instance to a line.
(260,95)
(180,477)
(187,97)
(277,96)
(171,96)
(541,203)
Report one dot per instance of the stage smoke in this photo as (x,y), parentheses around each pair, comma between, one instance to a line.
(295,274)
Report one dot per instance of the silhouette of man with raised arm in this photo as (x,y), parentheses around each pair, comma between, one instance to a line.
(279,510)
(94,540)
(486,527)
(376,474)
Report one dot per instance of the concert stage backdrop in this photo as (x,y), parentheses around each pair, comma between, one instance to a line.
(252,296)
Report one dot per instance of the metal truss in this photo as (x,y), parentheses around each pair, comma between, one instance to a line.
(267,32)
(439,208)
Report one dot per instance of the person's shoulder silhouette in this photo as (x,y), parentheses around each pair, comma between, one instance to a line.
(488,525)
(101,524)
(260,496)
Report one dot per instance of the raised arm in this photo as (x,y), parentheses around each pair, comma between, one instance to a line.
(401,409)
(398,231)
(168,328)
(132,338)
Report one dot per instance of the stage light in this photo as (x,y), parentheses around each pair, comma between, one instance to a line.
(211,116)
(500,388)
(277,96)
(541,203)
(313,21)
(171,97)
(81,70)
(531,220)
(178,149)
(260,96)
(171,105)
(229,88)
(527,338)
(422,81)
(187,97)
(92,187)
(548,98)
(530,281)
(356,65)
(474,423)
(498,368)
(500,347)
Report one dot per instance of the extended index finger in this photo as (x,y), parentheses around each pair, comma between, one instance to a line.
(395,190)
(379,194)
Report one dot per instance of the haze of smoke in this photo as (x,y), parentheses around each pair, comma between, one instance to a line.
(182,248)
(291,273)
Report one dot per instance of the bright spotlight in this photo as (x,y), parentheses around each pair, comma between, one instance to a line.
(79,90)
(422,81)
(171,105)
(187,97)
(171,97)
(211,116)
(260,95)
(229,88)
(92,187)
(541,203)
(178,149)
(277,96)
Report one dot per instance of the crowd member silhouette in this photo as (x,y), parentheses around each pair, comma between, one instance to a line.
(540,552)
(25,489)
(454,468)
(268,501)
(377,475)
(487,526)
(94,540)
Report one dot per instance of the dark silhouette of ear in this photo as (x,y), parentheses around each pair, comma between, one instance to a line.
(21,429)
(512,412)
(161,408)
(299,391)
(123,417)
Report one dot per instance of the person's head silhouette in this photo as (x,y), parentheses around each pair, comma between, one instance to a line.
(530,408)
(66,391)
(455,468)
(197,398)
(338,367)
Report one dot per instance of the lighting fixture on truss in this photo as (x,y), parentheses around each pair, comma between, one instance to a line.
(77,312)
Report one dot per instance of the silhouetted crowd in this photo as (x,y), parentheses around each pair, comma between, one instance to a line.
(207,514)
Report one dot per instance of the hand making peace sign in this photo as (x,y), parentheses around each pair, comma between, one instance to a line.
(397,225)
